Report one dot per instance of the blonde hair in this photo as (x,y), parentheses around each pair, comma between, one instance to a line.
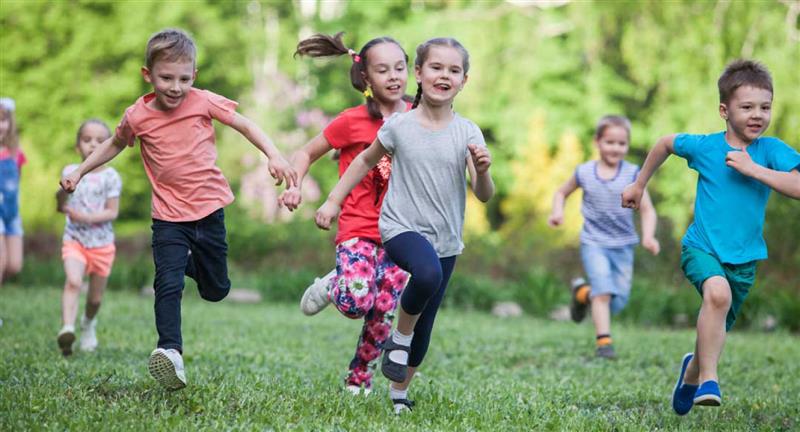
(612,120)
(169,45)
(11,138)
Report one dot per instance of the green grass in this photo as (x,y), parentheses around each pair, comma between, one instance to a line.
(263,367)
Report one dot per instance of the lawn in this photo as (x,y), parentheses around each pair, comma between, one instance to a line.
(268,367)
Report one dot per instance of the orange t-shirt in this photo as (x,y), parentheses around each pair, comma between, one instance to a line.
(179,154)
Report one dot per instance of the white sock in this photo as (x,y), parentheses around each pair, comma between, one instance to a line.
(397,394)
(399,356)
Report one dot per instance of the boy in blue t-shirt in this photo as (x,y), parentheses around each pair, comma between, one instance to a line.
(737,170)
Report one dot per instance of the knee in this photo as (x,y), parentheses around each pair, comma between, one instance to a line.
(215,295)
(427,279)
(73,284)
(13,268)
(717,295)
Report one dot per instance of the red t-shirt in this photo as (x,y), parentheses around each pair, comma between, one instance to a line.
(352,131)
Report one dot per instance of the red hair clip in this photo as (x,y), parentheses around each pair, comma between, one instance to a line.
(357,58)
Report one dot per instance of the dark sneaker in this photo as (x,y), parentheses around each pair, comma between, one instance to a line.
(577,310)
(606,352)
(683,394)
(65,339)
(708,394)
(393,371)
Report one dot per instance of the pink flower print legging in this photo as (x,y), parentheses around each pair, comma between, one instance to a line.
(367,285)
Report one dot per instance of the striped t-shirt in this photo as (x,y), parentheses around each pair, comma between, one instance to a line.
(605,222)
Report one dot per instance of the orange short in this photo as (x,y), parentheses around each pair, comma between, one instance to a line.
(97,260)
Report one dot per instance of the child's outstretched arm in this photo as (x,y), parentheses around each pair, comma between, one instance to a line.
(360,166)
(559,198)
(649,220)
(109,149)
(108,214)
(787,183)
(279,168)
(632,195)
(301,160)
(478,166)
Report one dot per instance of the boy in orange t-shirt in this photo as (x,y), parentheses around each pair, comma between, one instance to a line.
(176,136)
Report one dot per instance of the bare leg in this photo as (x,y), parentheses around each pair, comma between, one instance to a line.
(72,290)
(710,329)
(3,254)
(404,385)
(97,286)
(601,314)
(13,249)
(405,321)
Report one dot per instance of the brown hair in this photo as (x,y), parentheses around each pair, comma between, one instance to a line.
(612,120)
(88,122)
(743,73)
(422,55)
(11,138)
(322,45)
(169,45)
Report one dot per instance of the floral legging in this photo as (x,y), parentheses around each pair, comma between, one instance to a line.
(367,285)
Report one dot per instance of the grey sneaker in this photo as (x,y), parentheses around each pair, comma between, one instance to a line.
(88,337)
(606,352)
(166,366)
(577,310)
(316,296)
(65,338)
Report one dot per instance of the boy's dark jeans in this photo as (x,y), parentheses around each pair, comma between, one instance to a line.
(207,265)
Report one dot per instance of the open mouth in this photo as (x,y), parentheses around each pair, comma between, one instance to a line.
(393,88)
(442,87)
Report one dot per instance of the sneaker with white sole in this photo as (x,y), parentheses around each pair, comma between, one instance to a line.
(166,366)
(65,338)
(88,340)
(316,296)
(357,390)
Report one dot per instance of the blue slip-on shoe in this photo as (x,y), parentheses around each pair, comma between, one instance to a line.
(683,394)
(708,394)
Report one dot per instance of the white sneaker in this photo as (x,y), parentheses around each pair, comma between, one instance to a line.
(88,337)
(357,390)
(166,366)
(65,339)
(316,296)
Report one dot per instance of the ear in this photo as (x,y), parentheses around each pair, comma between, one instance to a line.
(146,74)
(194,75)
(723,111)
(418,73)
(463,83)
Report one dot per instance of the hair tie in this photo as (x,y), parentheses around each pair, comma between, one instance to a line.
(368,92)
(354,55)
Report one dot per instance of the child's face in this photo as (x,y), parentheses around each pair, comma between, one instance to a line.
(387,72)
(92,135)
(748,112)
(613,145)
(442,75)
(171,82)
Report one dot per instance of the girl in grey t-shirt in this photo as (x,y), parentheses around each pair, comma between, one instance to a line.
(422,215)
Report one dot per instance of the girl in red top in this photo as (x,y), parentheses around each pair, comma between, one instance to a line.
(366,283)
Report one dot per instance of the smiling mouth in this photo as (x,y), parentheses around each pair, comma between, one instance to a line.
(393,87)
(442,87)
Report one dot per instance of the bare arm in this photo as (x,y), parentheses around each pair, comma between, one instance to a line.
(632,195)
(108,150)
(559,198)
(478,164)
(279,168)
(787,183)
(649,221)
(301,160)
(359,168)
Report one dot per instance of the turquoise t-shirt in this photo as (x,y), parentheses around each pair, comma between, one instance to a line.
(729,207)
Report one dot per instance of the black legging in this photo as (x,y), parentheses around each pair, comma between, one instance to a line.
(425,290)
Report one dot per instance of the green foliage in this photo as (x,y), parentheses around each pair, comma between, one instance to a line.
(268,367)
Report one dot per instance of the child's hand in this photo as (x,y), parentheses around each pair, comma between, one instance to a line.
(77,216)
(652,245)
(480,158)
(555,219)
(632,196)
(290,198)
(326,214)
(280,169)
(740,161)
(70,181)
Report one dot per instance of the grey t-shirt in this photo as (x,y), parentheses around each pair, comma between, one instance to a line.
(427,187)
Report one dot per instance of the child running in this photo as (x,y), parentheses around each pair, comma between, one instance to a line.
(176,136)
(366,283)
(422,217)
(88,243)
(608,236)
(737,169)
(12,158)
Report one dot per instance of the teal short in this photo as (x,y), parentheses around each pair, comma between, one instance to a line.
(699,265)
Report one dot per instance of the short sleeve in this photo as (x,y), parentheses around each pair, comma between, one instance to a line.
(124,131)
(21,159)
(475,136)
(113,184)
(577,175)
(782,157)
(337,132)
(387,134)
(687,145)
(221,108)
